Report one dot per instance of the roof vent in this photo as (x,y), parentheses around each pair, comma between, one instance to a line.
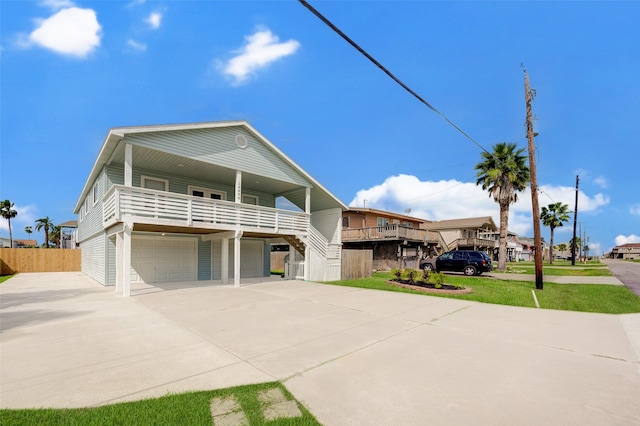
(241,141)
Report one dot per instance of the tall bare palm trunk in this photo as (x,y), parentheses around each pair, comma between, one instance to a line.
(504,225)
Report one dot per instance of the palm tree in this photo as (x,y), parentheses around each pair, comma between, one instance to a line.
(554,216)
(578,243)
(8,212)
(503,173)
(54,236)
(28,230)
(46,224)
(562,247)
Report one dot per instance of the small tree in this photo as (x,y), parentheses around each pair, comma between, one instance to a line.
(55,235)
(8,212)
(556,215)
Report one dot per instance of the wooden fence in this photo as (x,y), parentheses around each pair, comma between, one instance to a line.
(356,264)
(38,260)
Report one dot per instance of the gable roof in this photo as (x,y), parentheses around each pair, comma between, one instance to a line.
(471,222)
(319,194)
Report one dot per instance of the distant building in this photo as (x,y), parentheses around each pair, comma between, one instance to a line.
(626,251)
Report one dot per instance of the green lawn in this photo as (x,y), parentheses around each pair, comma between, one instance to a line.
(569,297)
(3,278)
(179,409)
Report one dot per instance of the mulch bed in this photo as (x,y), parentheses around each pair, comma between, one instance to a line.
(430,288)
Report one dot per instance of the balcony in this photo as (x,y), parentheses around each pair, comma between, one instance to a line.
(476,243)
(389,233)
(148,206)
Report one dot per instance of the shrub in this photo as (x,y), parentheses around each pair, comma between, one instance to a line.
(425,275)
(397,273)
(437,279)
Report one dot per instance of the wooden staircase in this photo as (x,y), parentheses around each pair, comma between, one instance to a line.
(296,243)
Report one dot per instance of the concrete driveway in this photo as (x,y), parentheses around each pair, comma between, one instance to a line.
(351,356)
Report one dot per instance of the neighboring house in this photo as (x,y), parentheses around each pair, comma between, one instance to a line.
(626,251)
(197,202)
(5,242)
(465,234)
(25,243)
(392,237)
(69,234)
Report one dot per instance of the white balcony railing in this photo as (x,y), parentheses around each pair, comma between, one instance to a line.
(148,205)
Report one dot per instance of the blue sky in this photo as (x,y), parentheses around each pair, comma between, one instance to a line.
(70,70)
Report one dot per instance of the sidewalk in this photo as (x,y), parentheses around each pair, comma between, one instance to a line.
(555,278)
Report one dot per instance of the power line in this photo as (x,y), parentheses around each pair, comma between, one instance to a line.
(386,71)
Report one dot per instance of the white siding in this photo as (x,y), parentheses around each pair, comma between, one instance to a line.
(93,257)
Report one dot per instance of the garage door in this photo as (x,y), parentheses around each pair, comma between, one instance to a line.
(161,260)
(251,259)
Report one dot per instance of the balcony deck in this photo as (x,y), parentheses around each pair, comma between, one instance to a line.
(152,207)
(389,232)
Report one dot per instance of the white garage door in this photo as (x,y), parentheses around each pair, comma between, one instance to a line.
(162,260)
(251,259)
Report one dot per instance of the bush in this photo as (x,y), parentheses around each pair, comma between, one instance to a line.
(397,273)
(437,279)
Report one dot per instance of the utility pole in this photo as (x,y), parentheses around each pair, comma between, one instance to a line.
(575,221)
(534,186)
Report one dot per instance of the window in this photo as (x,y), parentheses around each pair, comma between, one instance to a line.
(408,224)
(95,193)
(382,221)
(207,193)
(155,183)
(250,199)
(86,206)
(345,222)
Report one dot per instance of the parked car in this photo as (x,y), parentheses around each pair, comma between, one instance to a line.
(468,261)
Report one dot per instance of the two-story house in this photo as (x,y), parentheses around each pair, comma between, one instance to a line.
(197,202)
(392,237)
(465,234)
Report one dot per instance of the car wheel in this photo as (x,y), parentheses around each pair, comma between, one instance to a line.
(469,270)
(428,267)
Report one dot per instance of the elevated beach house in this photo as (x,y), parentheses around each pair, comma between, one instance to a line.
(197,202)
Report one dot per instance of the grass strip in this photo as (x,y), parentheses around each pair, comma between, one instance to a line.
(607,299)
(190,408)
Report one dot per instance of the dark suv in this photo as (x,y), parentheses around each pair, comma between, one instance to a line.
(468,261)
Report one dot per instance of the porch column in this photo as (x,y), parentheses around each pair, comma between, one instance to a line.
(236,258)
(238,198)
(224,258)
(119,261)
(126,260)
(307,261)
(128,165)
(307,200)
(307,250)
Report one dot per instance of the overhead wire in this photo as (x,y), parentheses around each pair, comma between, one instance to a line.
(386,71)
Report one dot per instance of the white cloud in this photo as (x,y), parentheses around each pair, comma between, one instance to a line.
(136,3)
(627,239)
(635,209)
(140,47)
(56,4)
(72,31)
(452,199)
(260,50)
(601,181)
(154,20)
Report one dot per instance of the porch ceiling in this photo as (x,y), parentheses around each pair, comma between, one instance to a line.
(160,229)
